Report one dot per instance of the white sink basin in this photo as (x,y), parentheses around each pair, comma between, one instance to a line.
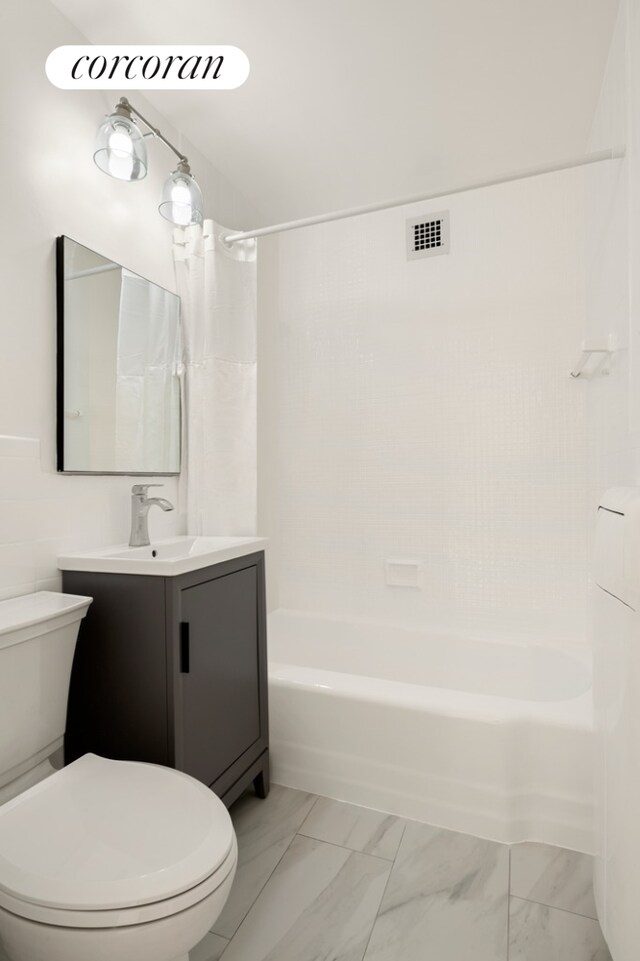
(165,558)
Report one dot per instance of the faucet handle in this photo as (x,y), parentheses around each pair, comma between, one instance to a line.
(143,488)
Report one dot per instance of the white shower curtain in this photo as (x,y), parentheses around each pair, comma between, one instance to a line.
(217,286)
(149,351)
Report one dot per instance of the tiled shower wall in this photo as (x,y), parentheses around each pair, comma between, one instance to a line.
(423,411)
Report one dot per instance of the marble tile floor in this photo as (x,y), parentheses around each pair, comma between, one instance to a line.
(322,880)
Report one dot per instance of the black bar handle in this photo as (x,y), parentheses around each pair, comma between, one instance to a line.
(184,647)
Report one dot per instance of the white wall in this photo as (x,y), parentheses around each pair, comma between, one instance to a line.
(613,305)
(613,277)
(50,186)
(425,410)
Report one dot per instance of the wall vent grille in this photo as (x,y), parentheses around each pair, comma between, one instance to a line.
(427,237)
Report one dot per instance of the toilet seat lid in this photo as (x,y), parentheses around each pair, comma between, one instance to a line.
(103,834)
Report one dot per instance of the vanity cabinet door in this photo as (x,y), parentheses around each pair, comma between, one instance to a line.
(218,708)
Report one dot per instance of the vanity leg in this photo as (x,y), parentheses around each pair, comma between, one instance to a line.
(261,782)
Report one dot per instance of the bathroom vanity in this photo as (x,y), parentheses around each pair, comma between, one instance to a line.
(170,665)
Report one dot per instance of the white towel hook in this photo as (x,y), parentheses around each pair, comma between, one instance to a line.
(589,349)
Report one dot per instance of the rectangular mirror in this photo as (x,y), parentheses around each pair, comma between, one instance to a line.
(119,358)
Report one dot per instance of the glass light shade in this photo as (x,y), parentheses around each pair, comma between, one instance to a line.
(181,202)
(120,149)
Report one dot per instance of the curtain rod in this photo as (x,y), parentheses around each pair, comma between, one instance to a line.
(613,153)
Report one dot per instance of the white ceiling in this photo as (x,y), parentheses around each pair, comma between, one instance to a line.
(357,101)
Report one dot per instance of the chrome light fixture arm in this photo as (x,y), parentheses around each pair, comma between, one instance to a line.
(128,106)
(120,152)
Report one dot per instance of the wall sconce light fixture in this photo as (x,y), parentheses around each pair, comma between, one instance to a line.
(121,152)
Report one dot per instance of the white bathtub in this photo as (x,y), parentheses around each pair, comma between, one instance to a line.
(491,739)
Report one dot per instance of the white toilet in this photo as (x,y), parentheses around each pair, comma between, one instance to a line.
(102,860)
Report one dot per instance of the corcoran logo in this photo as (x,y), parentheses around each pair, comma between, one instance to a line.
(147,67)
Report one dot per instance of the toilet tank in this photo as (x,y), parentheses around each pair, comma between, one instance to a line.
(38,635)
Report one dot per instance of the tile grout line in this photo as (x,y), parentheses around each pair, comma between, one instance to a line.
(393,864)
(554,907)
(307,816)
(246,914)
(395,856)
(345,847)
(226,945)
(309,838)
(271,873)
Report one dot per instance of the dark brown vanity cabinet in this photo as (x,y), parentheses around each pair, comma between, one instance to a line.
(172,670)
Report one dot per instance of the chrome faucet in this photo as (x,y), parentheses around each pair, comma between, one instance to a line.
(140,505)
